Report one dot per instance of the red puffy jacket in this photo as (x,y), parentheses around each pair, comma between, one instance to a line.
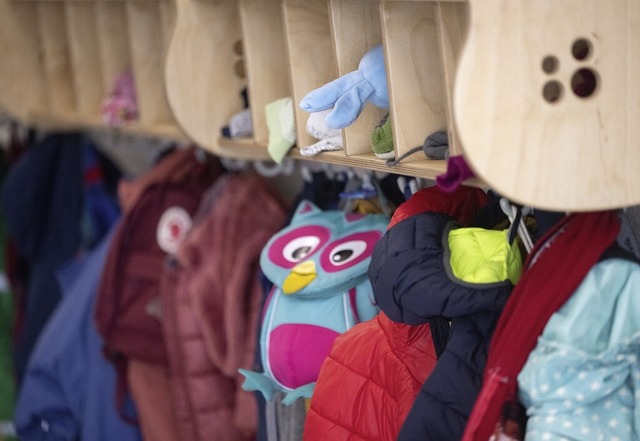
(378,364)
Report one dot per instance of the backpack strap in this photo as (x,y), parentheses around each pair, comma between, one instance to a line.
(354,304)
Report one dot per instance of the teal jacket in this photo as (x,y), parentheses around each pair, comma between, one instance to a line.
(582,381)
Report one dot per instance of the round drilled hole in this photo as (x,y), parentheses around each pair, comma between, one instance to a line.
(238,49)
(239,69)
(581,49)
(584,82)
(550,64)
(552,91)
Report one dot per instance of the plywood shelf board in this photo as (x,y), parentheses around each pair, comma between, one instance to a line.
(64,121)
(202,89)
(22,81)
(241,148)
(85,60)
(81,1)
(356,29)
(266,59)
(113,40)
(452,19)
(562,151)
(56,57)
(425,168)
(148,58)
(312,59)
(415,76)
(427,1)
(168,14)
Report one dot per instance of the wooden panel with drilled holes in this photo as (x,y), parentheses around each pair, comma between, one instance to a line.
(547,101)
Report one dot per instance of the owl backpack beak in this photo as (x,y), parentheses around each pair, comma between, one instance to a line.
(300,276)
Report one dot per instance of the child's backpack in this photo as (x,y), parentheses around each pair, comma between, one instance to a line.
(157,211)
(318,265)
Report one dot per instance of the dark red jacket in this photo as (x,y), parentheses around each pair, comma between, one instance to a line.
(211,304)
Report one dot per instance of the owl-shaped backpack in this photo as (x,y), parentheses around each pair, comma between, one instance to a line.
(318,265)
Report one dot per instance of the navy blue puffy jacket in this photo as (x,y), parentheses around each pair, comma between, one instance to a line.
(413,283)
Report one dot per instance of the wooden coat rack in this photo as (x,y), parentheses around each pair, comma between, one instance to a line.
(515,99)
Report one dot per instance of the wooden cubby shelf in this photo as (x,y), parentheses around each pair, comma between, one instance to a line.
(294,46)
(475,68)
(61,59)
(184,57)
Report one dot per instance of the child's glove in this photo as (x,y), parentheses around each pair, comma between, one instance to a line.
(349,93)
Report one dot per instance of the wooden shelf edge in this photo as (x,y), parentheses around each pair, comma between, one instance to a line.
(240,148)
(423,168)
(433,1)
(51,122)
(92,1)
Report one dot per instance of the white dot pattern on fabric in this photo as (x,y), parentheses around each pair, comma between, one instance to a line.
(582,380)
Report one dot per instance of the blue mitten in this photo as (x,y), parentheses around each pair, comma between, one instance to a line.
(349,93)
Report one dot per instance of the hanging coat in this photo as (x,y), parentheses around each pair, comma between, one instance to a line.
(42,201)
(67,392)
(369,381)
(157,214)
(582,380)
(211,295)
(425,267)
(554,269)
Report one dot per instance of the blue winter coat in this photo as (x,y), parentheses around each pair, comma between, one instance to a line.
(54,205)
(42,203)
(413,283)
(68,388)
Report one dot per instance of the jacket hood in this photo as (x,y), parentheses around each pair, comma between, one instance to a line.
(462,204)
(413,280)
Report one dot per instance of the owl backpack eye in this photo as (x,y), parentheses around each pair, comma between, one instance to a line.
(292,247)
(347,252)
(300,247)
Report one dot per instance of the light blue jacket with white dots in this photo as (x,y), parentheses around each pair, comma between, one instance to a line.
(582,380)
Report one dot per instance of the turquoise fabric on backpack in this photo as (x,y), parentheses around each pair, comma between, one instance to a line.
(318,265)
